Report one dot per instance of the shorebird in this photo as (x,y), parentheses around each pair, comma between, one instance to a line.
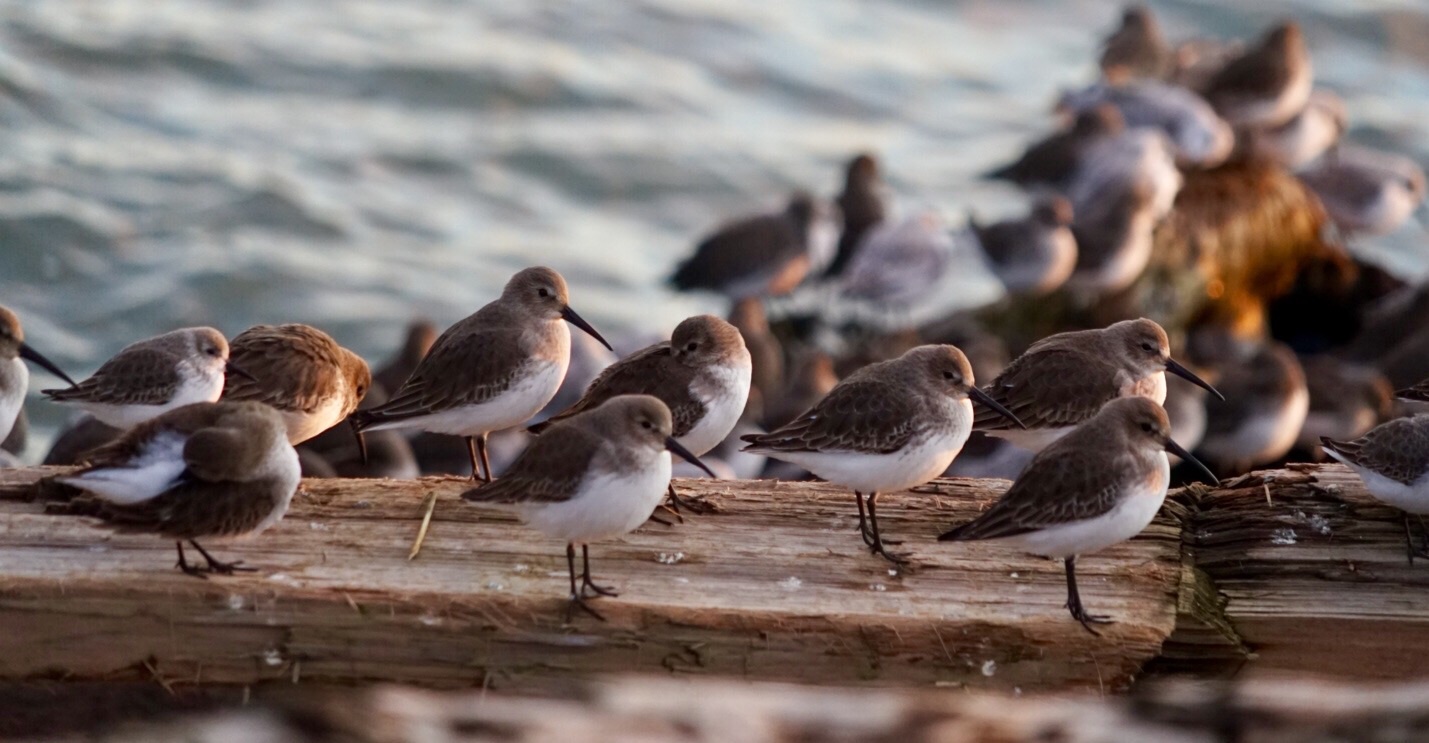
(1268,84)
(888,426)
(206,470)
(1366,191)
(302,373)
(898,262)
(1054,161)
(14,375)
(1393,462)
(1133,160)
(595,475)
(152,377)
(1200,137)
(702,374)
(1136,49)
(491,371)
(862,207)
(1258,421)
(1114,237)
(1064,379)
(1032,255)
(765,255)
(1098,486)
(1298,142)
(1346,401)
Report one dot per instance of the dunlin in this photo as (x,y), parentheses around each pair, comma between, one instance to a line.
(899,262)
(491,371)
(888,426)
(14,375)
(1065,379)
(1393,462)
(1114,237)
(1054,161)
(206,470)
(302,373)
(1305,137)
(1200,137)
(702,374)
(1265,406)
(765,255)
(596,475)
(1035,254)
(1136,49)
(152,377)
(1098,486)
(1366,191)
(1268,84)
(862,206)
(1133,160)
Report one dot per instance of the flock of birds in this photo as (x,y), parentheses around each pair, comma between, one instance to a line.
(195,437)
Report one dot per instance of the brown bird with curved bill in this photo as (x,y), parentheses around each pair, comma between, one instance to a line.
(701,374)
(302,373)
(1392,460)
(862,205)
(152,377)
(491,371)
(14,375)
(1268,84)
(1031,255)
(1065,379)
(208,470)
(1137,49)
(595,475)
(765,255)
(1100,485)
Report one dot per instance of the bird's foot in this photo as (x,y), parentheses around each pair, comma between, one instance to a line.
(578,602)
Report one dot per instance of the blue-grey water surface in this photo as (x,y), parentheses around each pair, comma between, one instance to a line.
(354,163)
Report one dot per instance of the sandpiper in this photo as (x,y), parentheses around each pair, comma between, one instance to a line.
(862,207)
(1393,462)
(1035,254)
(1114,237)
(1054,161)
(152,377)
(14,375)
(595,475)
(1366,191)
(765,255)
(1200,137)
(219,470)
(1268,84)
(1064,379)
(702,374)
(1135,159)
(491,371)
(302,373)
(899,262)
(1101,484)
(888,426)
(1136,49)
(1311,133)
(1261,417)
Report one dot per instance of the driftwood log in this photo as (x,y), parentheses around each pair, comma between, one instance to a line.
(1287,570)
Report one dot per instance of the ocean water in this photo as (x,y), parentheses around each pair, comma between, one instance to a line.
(354,164)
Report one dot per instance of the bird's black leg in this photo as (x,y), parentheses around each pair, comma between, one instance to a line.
(676,503)
(671,506)
(878,541)
(223,568)
(485,460)
(577,592)
(863,529)
(476,475)
(1422,548)
(183,564)
(585,575)
(1074,600)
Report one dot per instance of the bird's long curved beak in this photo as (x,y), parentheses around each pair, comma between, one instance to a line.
(1175,368)
(31,354)
(982,398)
(685,454)
(1174,448)
(570,316)
(233,368)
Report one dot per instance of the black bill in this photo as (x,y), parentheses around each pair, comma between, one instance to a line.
(982,398)
(30,354)
(1174,448)
(678,448)
(570,316)
(235,369)
(1175,368)
(361,440)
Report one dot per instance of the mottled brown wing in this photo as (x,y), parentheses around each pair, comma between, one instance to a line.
(549,471)
(466,369)
(1398,449)
(195,510)
(739,250)
(292,368)
(141,376)
(858,415)
(649,371)
(1060,486)
(1041,395)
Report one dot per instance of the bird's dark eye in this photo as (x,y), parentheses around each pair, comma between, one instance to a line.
(646,425)
(947,375)
(691,346)
(544,292)
(1147,427)
(1149,347)
(212,351)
